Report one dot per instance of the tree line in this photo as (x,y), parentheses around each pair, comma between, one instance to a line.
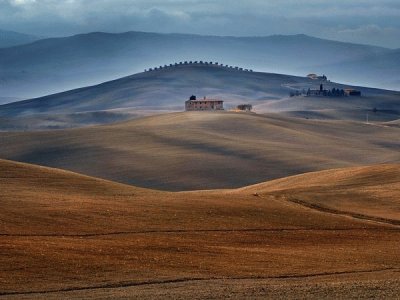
(183,63)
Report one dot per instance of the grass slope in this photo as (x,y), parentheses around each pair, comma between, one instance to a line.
(166,90)
(177,151)
(162,89)
(333,191)
(65,235)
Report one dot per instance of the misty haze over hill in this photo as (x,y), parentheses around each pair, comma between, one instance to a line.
(11,38)
(165,90)
(57,64)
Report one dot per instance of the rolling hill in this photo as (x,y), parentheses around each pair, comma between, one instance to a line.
(66,235)
(12,38)
(395,123)
(205,150)
(166,90)
(58,64)
(387,64)
(333,191)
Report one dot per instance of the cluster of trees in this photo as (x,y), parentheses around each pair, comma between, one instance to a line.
(331,93)
(325,93)
(244,107)
(197,63)
(297,93)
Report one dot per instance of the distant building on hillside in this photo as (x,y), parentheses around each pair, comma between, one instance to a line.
(205,104)
(316,77)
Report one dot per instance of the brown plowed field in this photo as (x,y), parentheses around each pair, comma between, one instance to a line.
(327,234)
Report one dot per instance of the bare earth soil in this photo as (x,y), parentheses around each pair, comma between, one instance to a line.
(329,234)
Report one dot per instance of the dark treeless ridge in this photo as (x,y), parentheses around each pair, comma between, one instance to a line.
(65,235)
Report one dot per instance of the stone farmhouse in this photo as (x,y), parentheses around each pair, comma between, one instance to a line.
(203,104)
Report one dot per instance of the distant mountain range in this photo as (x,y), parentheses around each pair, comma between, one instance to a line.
(12,38)
(56,64)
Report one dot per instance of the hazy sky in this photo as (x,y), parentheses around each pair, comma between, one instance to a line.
(362,21)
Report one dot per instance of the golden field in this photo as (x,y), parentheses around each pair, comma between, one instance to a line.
(318,235)
(206,150)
